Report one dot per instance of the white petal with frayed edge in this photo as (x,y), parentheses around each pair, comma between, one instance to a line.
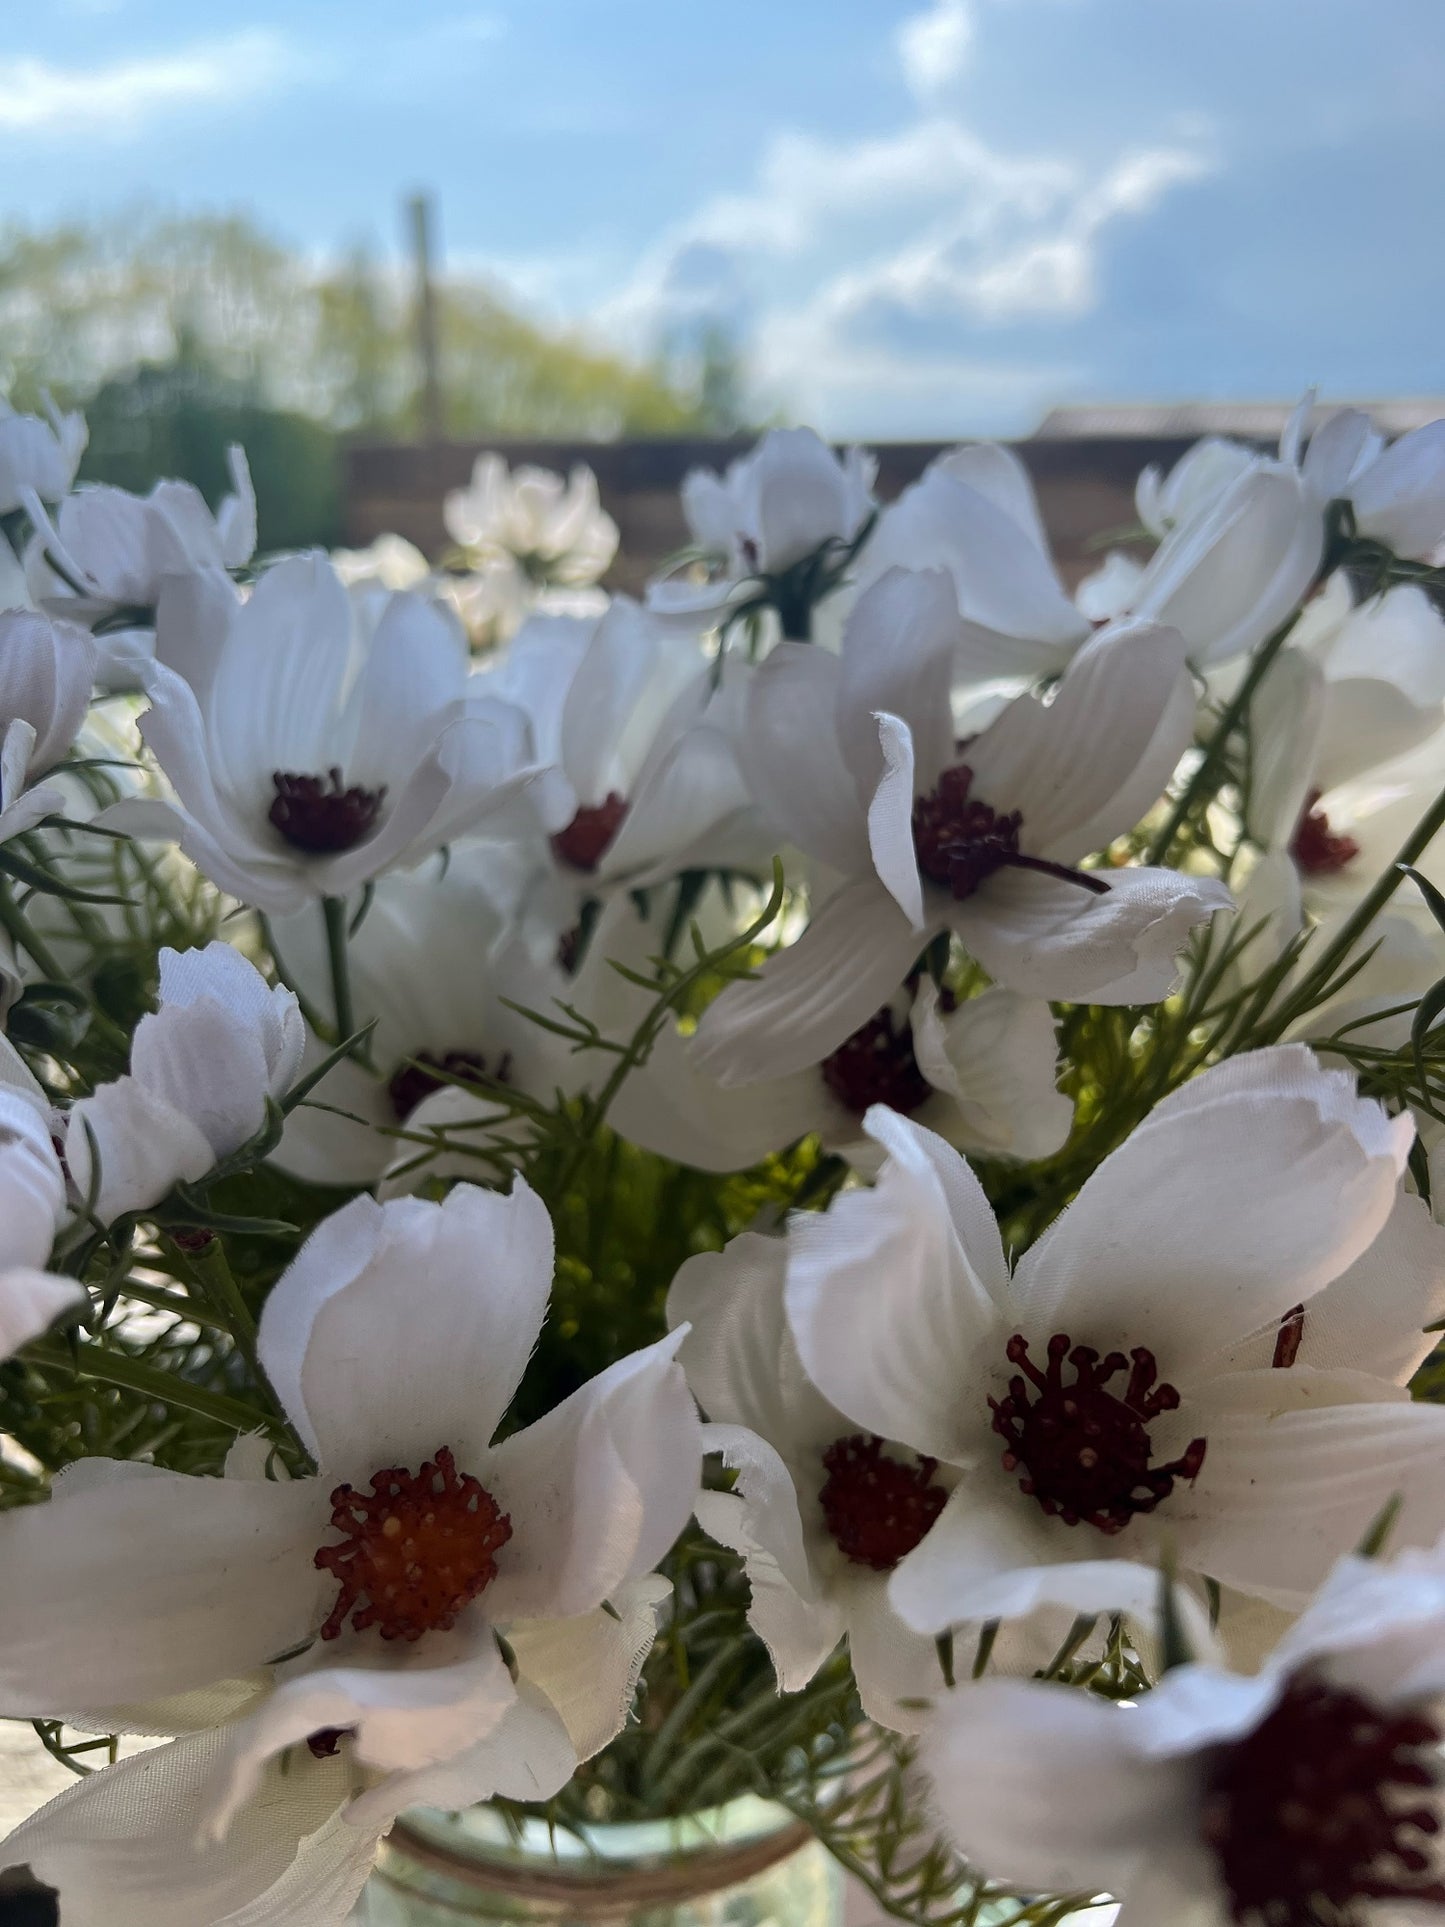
(126,1147)
(527,1756)
(399,1717)
(897,1670)
(1237,1198)
(423,1343)
(588,1667)
(121,1845)
(808,998)
(894,1304)
(598,1489)
(1048,938)
(30,1303)
(133,1582)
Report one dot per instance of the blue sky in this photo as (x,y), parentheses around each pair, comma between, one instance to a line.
(923,217)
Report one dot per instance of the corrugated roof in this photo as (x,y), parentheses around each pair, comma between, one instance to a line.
(1247,420)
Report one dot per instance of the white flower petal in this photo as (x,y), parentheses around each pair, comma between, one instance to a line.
(898,651)
(890,821)
(418,1341)
(789,754)
(893,1294)
(996,1057)
(892,1664)
(1047,938)
(808,998)
(121,1846)
(588,1667)
(598,1489)
(141,1144)
(1239,1197)
(1042,1786)
(738,1353)
(1284,1491)
(527,1756)
(671,1107)
(30,1303)
(133,1582)
(1400,498)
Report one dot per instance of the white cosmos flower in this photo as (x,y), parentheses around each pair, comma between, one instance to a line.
(787,499)
(818,1513)
(46,672)
(974,513)
(1310,1791)
(1207,1349)
(980,838)
(319,750)
(113,549)
(394,1343)
(981,1073)
(556,531)
(1396,490)
(39,456)
(628,713)
(192,1832)
(1231,571)
(221,1043)
(431,963)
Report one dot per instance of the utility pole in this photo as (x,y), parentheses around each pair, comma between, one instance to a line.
(421,228)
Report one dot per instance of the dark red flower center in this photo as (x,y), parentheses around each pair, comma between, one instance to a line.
(426,1073)
(588,837)
(417,1548)
(1081,1450)
(319,815)
(1319,1811)
(1316,848)
(960,841)
(876,1065)
(325,1742)
(876,1507)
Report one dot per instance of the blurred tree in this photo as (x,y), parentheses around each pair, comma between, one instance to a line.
(181,334)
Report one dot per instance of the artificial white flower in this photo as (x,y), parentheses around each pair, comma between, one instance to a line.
(553,531)
(431,963)
(974,513)
(221,1043)
(108,549)
(1229,573)
(38,456)
(981,1073)
(1207,1349)
(390,562)
(854,760)
(1396,490)
(1201,474)
(320,751)
(820,1514)
(1308,1792)
(394,1344)
(629,714)
(46,673)
(789,498)
(193,1832)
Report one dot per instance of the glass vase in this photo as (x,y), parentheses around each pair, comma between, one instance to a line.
(746,1864)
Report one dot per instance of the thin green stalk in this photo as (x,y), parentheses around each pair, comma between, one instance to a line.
(1359,921)
(1210,765)
(333,910)
(135,1375)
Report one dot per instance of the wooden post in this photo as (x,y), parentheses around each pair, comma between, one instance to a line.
(420,213)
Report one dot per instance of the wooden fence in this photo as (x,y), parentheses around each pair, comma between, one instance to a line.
(1085,486)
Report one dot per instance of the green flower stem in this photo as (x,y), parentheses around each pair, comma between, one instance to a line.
(136,1375)
(333,909)
(1356,925)
(212,1272)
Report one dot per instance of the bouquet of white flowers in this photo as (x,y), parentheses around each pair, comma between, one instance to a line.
(820,1187)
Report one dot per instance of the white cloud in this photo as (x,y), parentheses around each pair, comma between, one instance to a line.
(934,46)
(38,97)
